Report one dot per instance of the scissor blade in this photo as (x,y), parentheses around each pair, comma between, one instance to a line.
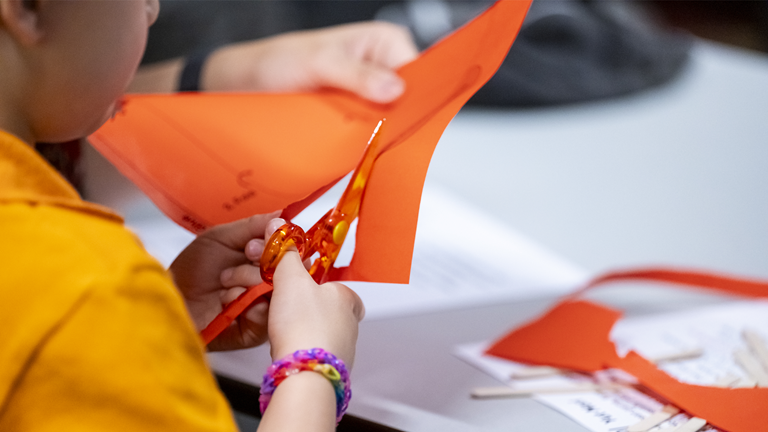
(349,203)
(328,234)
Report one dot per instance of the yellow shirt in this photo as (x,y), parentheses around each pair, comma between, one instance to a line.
(93,333)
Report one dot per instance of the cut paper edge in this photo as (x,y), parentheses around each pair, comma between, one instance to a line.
(574,334)
(170,145)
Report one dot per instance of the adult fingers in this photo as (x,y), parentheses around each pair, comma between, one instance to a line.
(370,81)
(386,44)
(362,58)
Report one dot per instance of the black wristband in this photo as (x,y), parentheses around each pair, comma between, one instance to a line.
(193,68)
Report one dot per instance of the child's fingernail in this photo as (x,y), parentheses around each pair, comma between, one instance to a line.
(254,249)
(227,274)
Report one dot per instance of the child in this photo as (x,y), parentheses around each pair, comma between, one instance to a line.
(95,336)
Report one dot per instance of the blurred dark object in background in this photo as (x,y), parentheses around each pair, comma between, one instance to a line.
(575,51)
(183,27)
(742,23)
(563,50)
(567,51)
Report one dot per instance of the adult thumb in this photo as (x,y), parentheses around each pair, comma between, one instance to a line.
(369,80)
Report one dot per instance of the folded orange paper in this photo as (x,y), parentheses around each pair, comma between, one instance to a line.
(207,159)
(575,335)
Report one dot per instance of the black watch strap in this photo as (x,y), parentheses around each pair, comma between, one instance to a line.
(193,68)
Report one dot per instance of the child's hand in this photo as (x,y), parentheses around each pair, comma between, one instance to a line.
(303,315)
(215,269)
(360,58)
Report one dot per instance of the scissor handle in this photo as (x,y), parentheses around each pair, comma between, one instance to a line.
(325,239)
(286,236)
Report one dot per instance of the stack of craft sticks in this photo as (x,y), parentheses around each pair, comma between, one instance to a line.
(533,372)
(692,425)
(753,360)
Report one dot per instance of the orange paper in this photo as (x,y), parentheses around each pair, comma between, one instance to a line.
(575,335)
(207,159)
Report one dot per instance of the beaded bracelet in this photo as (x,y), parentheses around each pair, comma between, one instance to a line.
(315,360)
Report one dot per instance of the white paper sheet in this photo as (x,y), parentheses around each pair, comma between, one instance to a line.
(610,411)
(603,411)
(462,258)
(715,329)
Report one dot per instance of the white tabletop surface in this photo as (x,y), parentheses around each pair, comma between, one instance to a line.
(676,175)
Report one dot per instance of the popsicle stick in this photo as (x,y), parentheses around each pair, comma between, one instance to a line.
(509,392)
(678,356)
(727,380)
(654,419)
(691,425)
(757,345)
(536,372)
(745,383)
(752,367)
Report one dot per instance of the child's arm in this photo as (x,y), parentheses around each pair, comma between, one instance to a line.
(360,58)
(304,315)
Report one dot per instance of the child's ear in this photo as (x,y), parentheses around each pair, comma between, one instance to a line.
(21,19)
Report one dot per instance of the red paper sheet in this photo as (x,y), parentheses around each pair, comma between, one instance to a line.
(575,335)
(206,159)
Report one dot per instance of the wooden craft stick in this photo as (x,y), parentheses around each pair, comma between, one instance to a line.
(678,356)
(536,372)
(752,367)
(691,425)
(727,380)
(654,419)
(509,392)
(757,345)
(745,383)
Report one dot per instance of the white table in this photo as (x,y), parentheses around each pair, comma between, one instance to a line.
(676,176)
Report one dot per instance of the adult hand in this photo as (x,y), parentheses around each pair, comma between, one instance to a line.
(216,268)
(360,58)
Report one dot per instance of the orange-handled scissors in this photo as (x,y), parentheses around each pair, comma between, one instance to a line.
(324,238)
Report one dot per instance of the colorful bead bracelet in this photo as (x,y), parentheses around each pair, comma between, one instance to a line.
(315,360)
